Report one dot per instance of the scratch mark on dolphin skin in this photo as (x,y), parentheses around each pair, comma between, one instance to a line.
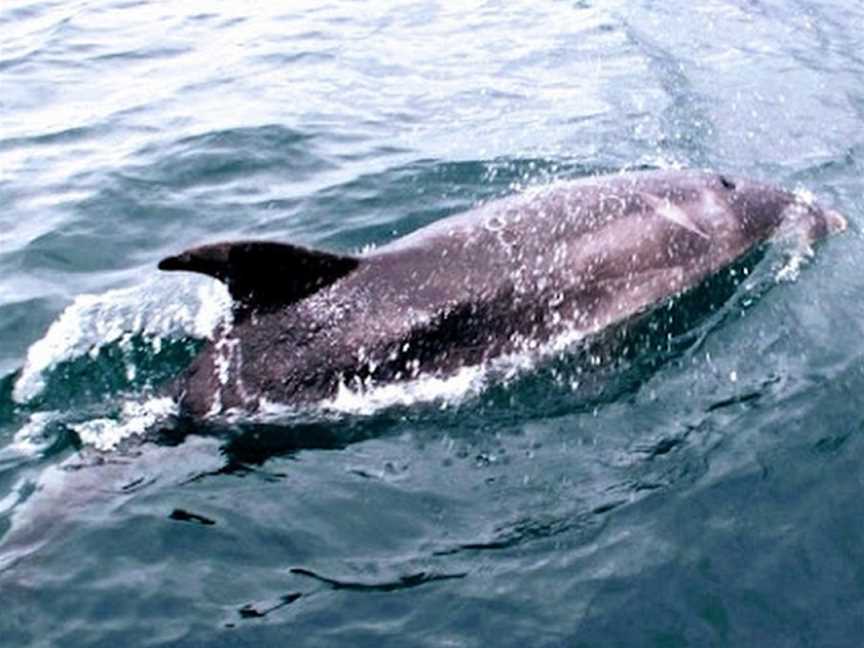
(671,212)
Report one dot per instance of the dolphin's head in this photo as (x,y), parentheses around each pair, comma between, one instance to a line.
(763,211)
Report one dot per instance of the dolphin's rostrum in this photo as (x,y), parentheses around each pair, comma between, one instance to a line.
(572,257)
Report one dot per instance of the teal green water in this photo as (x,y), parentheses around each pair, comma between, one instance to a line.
(704,490)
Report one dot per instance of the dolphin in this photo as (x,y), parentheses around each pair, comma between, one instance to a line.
(570,258)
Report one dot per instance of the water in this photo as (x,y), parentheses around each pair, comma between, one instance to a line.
(704,491)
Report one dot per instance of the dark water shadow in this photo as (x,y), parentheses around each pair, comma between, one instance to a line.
(402,583)
(7,402)
(410,581)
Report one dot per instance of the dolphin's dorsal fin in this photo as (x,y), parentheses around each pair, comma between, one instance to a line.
(261,274)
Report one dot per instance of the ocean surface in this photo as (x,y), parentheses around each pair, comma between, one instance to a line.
(706,490)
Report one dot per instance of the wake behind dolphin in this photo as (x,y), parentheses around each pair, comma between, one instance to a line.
(572,259)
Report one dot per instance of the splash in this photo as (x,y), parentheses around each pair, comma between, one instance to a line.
(120,316)
(134,420)
(792,264)
(121,319)
(447,391)
(33,437)
(452,390)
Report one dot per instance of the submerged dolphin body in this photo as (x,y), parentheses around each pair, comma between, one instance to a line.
(572,258)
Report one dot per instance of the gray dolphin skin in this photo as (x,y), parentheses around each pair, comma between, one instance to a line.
(574,257)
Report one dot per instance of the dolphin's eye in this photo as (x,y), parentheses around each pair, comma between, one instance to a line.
(726,182)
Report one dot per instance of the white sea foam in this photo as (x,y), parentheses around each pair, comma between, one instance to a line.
(135,419)
(31,439)
(117,316)
(794,260)
(424,389)
(804,195)
(449,390)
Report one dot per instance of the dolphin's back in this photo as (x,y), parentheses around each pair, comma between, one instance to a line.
(573,257)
